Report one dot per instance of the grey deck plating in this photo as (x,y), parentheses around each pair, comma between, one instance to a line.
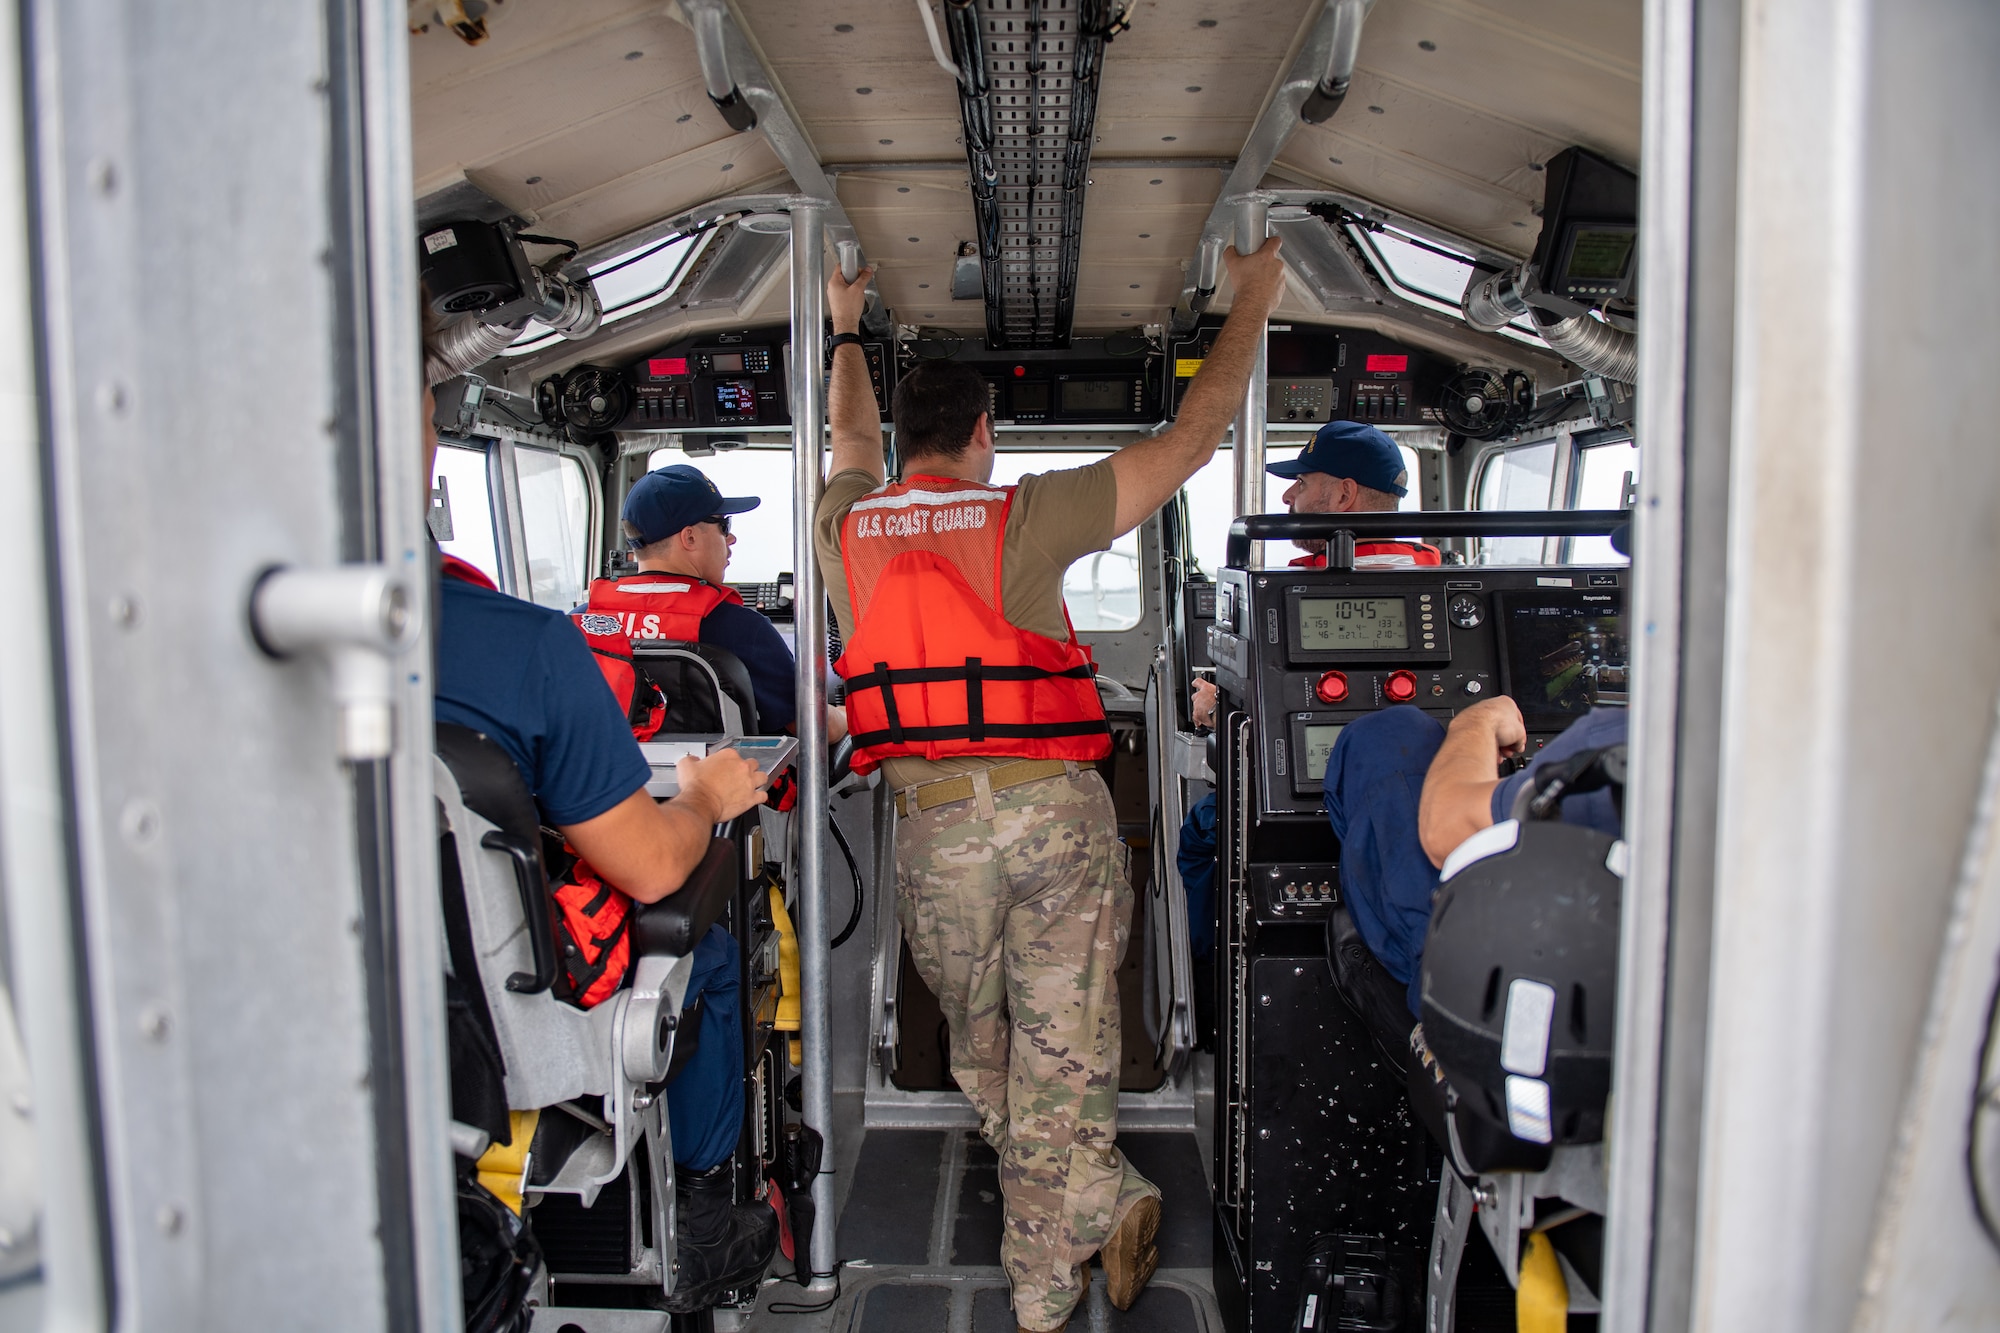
(907,1269)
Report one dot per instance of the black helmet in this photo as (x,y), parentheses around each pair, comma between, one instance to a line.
(1520,970)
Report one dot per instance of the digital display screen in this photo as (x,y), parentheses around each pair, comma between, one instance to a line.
(1600,255)
(666,367)
(1096,396)
(1320,737)
(1030,398)
(736,398)
(726,363)
(1563,656)
(1380,363)
(1332,624)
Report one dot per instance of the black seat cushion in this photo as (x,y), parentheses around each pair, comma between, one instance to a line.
(691,705)
(676,923)
(488,781)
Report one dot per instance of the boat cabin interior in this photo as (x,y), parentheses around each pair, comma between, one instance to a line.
(1660,315)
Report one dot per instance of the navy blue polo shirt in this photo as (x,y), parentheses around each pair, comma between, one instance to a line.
(765,655)
(523,675)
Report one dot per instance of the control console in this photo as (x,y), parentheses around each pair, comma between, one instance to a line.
(1307,652)
(731,378)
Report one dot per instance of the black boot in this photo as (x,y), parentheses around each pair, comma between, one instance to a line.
(719,1245)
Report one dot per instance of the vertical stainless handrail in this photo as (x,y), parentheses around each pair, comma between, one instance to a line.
(1247,495)
(808,392)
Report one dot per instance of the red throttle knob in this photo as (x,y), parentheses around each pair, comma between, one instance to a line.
(1401,687)
(1332,687)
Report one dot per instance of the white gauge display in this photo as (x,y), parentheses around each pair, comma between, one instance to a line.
(1332,624)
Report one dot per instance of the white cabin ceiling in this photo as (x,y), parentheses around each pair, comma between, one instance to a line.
(590,118)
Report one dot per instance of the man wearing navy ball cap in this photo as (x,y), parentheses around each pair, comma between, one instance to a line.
(676,522)
(1351,468)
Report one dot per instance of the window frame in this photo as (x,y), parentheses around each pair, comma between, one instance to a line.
(503,499)
(1364,238)
(1565,476)
(593,527)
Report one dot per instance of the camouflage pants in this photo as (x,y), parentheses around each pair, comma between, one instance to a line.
(1017,918)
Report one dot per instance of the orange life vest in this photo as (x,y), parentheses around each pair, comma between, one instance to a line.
(645,707)
(933,668)
(594,918)
(1419,553)
(660,606)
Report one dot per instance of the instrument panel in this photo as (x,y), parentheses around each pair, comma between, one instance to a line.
(1306,653)
(732,378)
(1321,375)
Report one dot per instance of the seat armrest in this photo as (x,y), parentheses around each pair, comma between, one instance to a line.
(676,923)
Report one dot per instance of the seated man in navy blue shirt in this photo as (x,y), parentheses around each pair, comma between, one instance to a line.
(1402,792)
(522,675)
(677,523)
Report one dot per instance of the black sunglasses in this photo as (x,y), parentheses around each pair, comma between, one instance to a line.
(720,521)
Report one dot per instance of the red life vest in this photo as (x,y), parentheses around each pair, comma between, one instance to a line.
(645,707)
(933,668)
(591,917)
(466,572)
(660,606)
(1419,553)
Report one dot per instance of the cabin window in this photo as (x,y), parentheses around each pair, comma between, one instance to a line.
(1515,479)
(763,547)
(1209,497)
(462,475)
(555,526)
(1426,273)
(636,280)
(1604,477)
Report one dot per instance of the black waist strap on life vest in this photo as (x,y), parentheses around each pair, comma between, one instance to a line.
(974,675)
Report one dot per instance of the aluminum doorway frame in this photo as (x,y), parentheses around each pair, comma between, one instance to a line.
(259,920)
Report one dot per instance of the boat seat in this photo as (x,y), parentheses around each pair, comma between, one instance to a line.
(604,1067)
(707,688)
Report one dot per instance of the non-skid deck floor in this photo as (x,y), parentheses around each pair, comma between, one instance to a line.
(920,1243)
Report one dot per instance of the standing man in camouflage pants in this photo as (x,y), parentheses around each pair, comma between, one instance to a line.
(967,688)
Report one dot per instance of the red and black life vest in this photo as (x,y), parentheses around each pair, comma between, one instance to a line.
(653,605)
(933,668)
(611,648)
(595,926)
(592,918)
(1419,553)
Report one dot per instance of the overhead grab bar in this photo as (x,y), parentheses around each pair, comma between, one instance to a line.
(1420,523)
(711,46)
(1325,63)
(726,54)
(1331,91)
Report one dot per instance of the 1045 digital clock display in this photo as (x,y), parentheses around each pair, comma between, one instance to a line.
(1334,624)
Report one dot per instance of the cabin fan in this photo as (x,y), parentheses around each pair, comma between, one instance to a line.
(589,399)
(1481,403)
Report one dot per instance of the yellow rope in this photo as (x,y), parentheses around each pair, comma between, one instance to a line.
(503,1168)
(1541,1302)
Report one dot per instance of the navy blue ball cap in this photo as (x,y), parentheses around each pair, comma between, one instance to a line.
(668,499)
(1351,449)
